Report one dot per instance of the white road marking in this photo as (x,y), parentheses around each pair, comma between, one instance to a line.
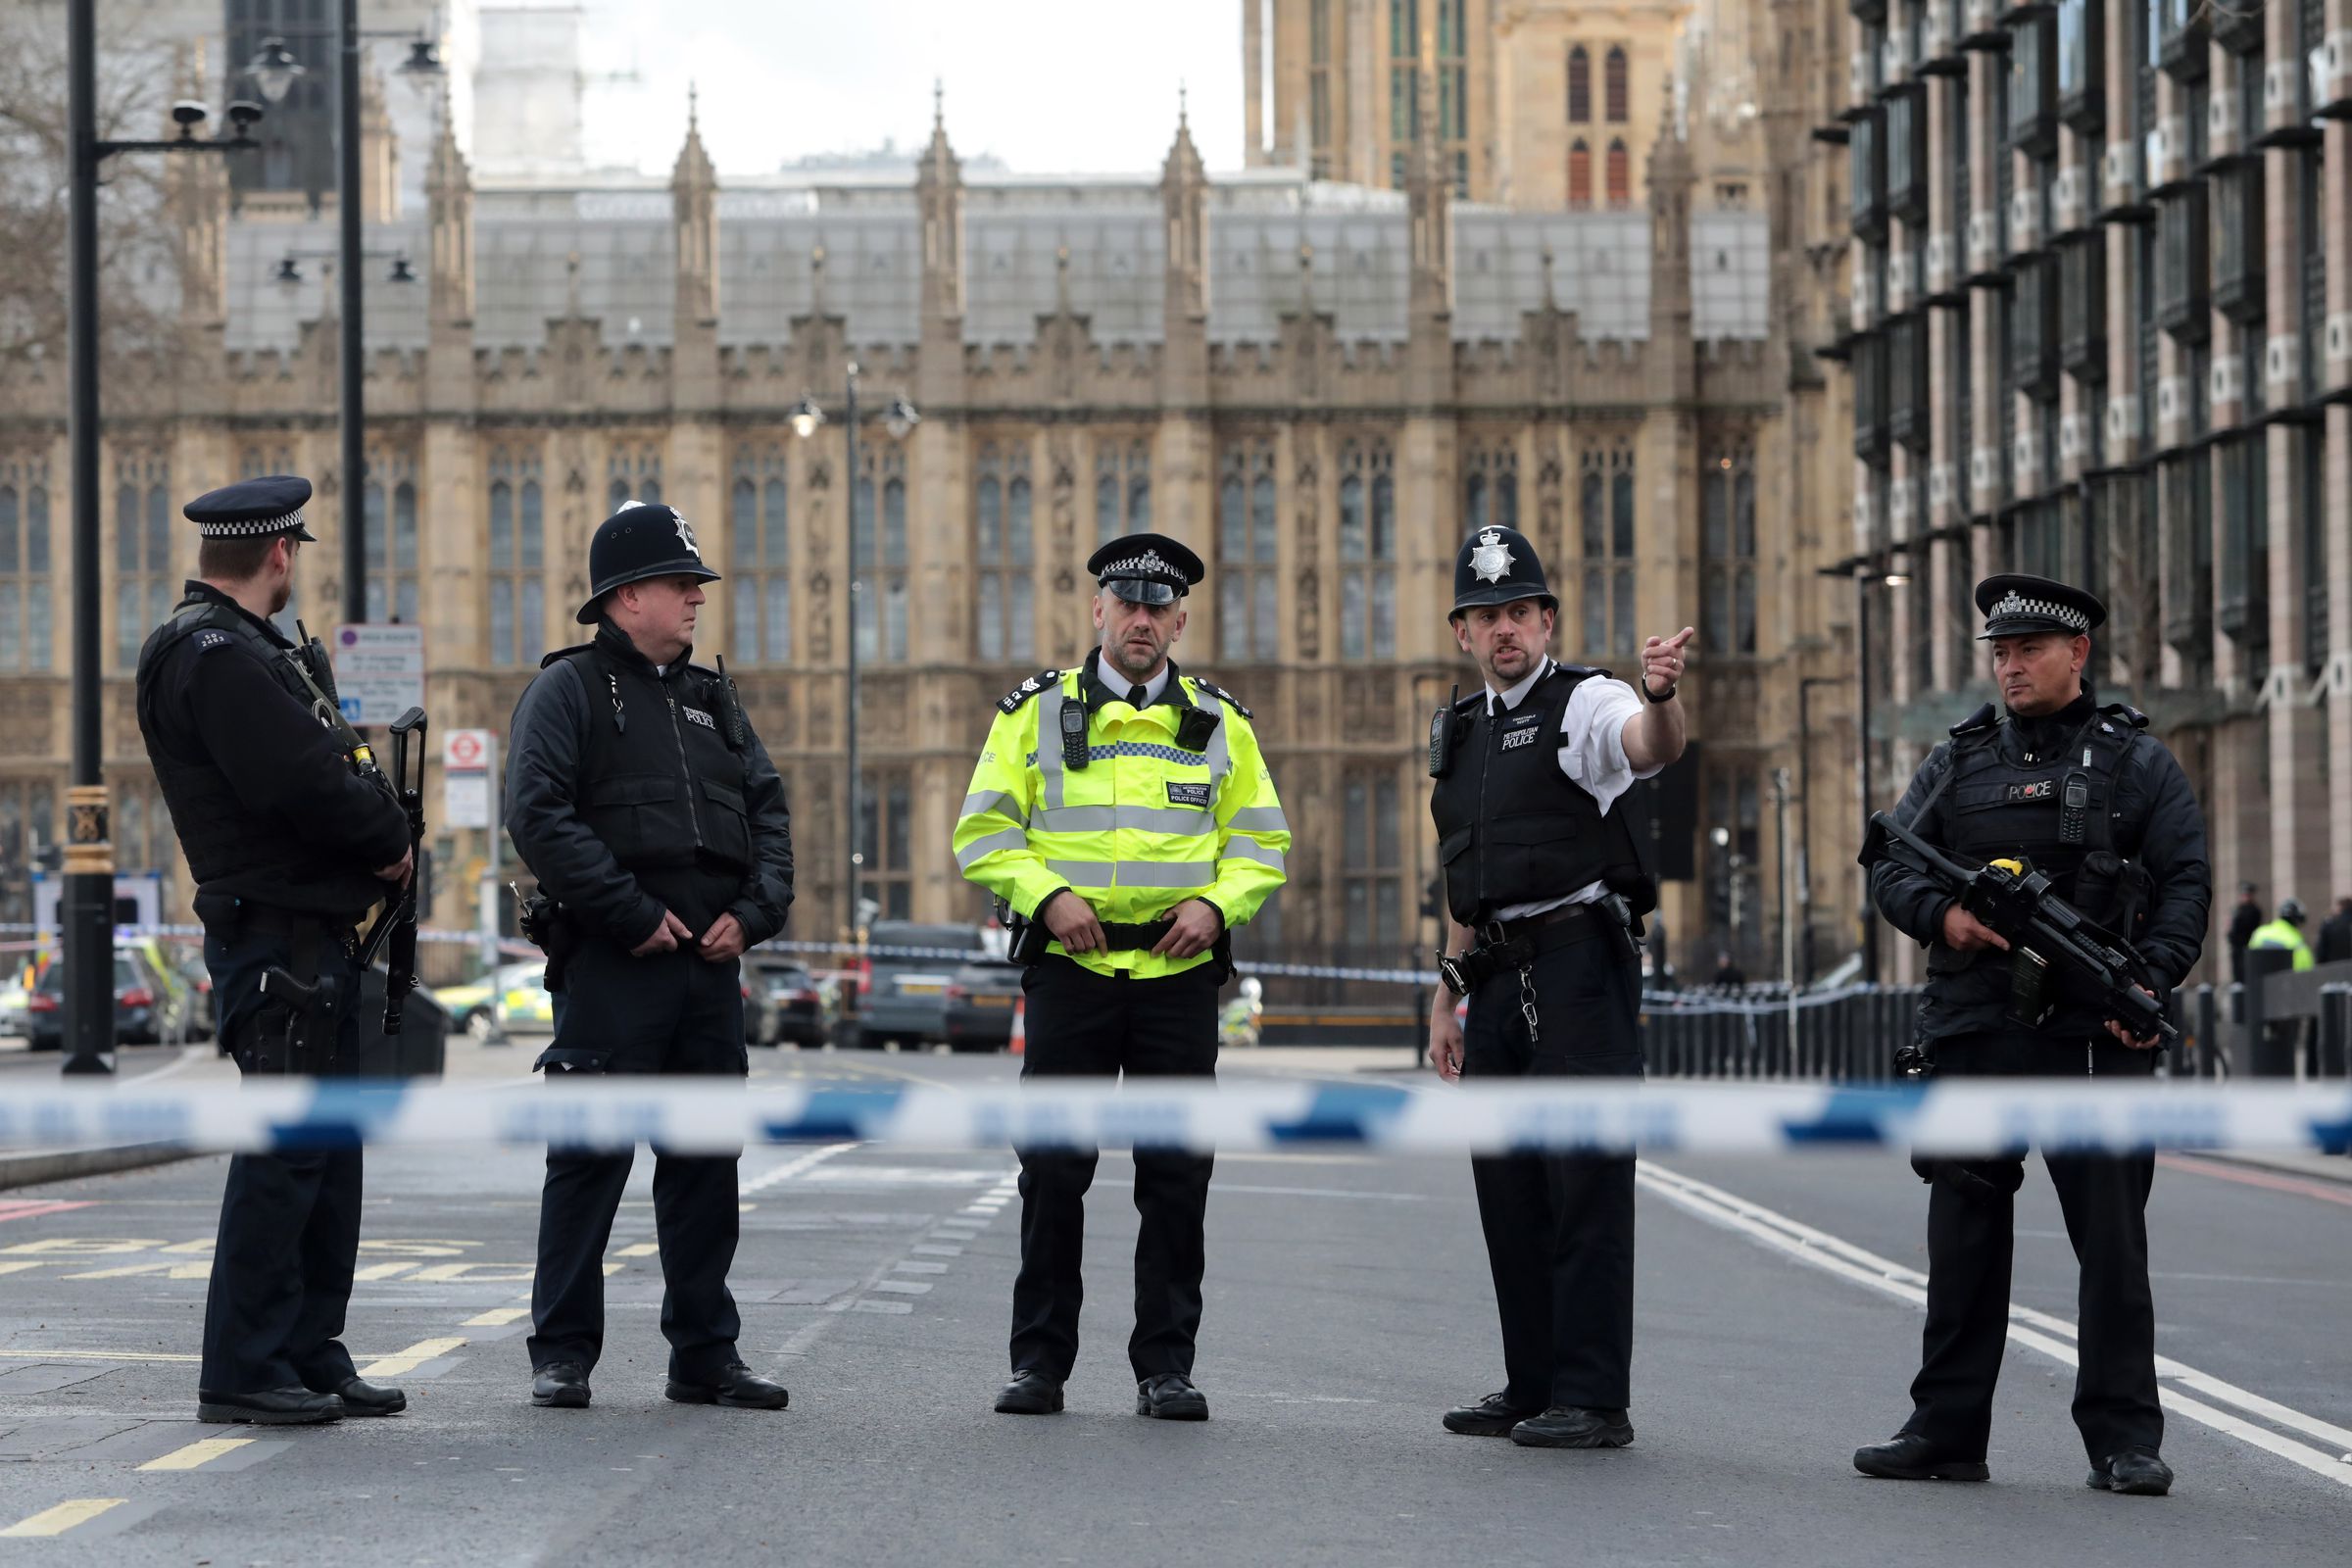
(2035,1331)
(793,1167)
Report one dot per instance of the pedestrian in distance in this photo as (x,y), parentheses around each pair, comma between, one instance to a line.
(2078,792)
(1125,913)
(639,797)
(292,832)
(2284,934)
(2335,933)
(2244,920)
(1546,889)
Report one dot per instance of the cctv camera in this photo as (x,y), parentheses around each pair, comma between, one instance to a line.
(244,114)
(188,114)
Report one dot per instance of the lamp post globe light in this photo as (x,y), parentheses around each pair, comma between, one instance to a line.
(88,862)
(898,418)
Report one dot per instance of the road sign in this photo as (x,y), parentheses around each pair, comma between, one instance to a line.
(466,783)
(379,671)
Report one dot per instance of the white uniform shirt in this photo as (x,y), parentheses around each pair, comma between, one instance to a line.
(1591,754)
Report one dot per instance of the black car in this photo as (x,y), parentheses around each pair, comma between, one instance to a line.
(139,1005)
(981,998)
(903,980)
(795,1012)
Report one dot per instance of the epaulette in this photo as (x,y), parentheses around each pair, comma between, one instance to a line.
(1984,718)
(2127,714)
(1222,696)
(563,653)
(1011,700)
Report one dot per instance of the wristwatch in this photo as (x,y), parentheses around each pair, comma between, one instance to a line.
(1654,696)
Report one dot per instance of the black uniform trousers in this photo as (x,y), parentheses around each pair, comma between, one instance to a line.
(290,1233)
(1969,1242)
(669,1013)
(1561,1227)
(1084,1024)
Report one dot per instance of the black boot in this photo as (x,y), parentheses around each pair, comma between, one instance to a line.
(361,1398)
(1030,1392)
(1491,1417)
(2135,1473)
(270,1407)
(737,1387)
(1572,1426)
(1170,1397)
(561,1386)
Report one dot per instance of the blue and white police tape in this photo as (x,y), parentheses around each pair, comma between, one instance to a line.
(700,1115)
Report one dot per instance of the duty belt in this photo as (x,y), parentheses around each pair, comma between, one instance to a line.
(1504,945)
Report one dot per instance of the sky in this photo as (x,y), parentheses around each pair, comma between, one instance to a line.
(1046,86)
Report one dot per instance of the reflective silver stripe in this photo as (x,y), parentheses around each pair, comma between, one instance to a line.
(1259,819)
(1048,743)
(998,802)
(1011,838)
(1166,873)
(1220,759)
(1083,873)
(1251,849)
(1168,820)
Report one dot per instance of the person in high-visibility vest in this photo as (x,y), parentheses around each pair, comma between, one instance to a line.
(2284,931)
(1122,809)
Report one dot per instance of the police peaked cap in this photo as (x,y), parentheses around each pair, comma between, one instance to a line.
(2017,604)
(1147,569)
(252,507)
(1498,566)
(641,540)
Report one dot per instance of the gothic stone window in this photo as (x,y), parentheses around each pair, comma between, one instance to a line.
(881,555)
(1248,626)
(143,585)
(759,554)
(518,558)
(1371,859)
(1580,174)
(633,475)
(1728,535)
(1367,551)
(885,841)
(391,538)
(1580,86)
(1605,531)
(1491,488)
(25,626)
(1614,87)
(1001,556)
(1122,489)
(1620,174)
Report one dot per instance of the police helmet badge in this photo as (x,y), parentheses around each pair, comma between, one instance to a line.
(686,536)
(1490,558)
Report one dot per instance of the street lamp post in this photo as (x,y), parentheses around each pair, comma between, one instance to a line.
(807,419)
(89,1018)
(1804,813)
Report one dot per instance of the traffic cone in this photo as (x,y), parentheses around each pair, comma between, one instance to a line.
(1020,1025)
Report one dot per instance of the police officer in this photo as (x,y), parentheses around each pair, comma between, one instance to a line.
(292,832)
(651,815)
(1127,910)
(1545,890)
(2080,792)
(2285,933)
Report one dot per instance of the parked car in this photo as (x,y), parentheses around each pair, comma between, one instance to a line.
(479,1006)
(981,998)
(138,1005)
(906,999)
(198,1021)
(792,1004)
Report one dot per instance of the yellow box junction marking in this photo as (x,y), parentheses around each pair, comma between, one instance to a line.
(496,1317)
(410,1359)
(63,1517)
(201,1452)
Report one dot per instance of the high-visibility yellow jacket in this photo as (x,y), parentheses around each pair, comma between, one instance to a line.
(1144,826)
(2283,934)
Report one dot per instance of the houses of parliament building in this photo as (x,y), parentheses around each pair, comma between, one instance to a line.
(1562,266)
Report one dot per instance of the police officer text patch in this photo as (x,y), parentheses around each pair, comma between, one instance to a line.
(1521,730)
(2041,789)
(1189,795)
(697,716)
(207,641)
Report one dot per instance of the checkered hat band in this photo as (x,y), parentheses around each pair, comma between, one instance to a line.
(2015,605)
(1147,564)
(248,527)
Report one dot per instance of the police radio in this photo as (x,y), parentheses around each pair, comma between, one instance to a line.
(1073,734)
(1441,736)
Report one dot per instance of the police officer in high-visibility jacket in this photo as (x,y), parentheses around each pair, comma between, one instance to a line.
(1123,811)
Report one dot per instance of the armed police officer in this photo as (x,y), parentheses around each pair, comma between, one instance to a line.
(655,824)
(292,832)
(2077,791)
(1125,811)
(1546,887)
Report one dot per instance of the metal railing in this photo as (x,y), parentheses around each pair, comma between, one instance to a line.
(1846,1036)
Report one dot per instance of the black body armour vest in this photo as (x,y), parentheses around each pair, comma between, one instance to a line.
(662,780)
(1512,828)
(230,850)
(2008,798)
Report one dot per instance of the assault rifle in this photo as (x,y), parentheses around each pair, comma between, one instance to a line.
(2020,905)
(396,926)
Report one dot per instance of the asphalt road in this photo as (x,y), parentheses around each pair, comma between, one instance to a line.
(1347,1305)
